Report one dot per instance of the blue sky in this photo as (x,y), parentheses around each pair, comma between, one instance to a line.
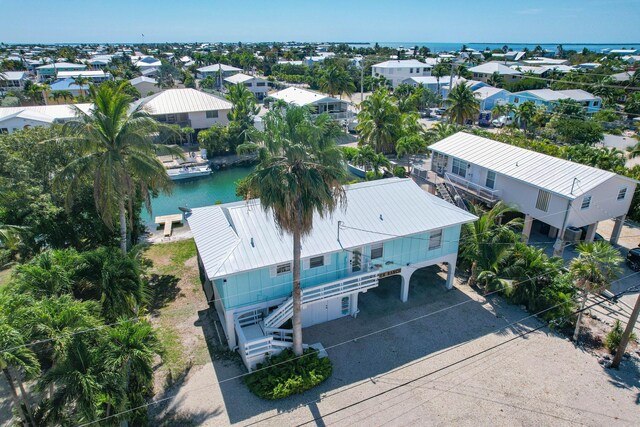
(511,21)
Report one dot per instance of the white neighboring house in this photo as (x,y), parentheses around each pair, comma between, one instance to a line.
(397,71)
(49,71)
(484,72)
(17,118)
(187,108)
(94,76)
(145,85)
(147,63)
(256,85)
(13,81)
(558,195)
(318,102)
(214,70)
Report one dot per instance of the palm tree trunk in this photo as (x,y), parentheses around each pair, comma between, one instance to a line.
(297,294)
(474,273)
(123,227)
(14,395)
(576,333)
(25,398)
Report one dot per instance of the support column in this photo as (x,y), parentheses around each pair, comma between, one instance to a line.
(591,232)
(354,305)
(451,271)
(231,330)
(526,228)
(617,229)
(406,278)
(558,246)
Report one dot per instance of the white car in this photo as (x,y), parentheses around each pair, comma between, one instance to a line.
(502,121)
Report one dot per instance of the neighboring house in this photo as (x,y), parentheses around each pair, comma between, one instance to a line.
(70,86)
(17,118)
(557,195)
(147,63)
(94,76)
(49,71)
(545,61)
(622,77)
(490,96)
(432,83)
(631,59)
(484,72)
(529,69)
(214,71)
(550,98)
(397,71)
(256,85)
(13,81)
(145,85)
(318,102)
(246,262)
(588,66)
(150,72)
(187,108)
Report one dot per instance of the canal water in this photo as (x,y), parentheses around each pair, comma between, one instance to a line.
(220,186)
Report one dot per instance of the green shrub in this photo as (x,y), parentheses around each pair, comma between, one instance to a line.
(372,176)
(349,153)
(612,341)
(558,301)
(285,374)
(399,171)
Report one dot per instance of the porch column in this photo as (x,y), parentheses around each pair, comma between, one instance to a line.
(451,271)
(526,228)
(558,246)
(591,232)
(231,330)
(617,229)
(406,278)
(354,305)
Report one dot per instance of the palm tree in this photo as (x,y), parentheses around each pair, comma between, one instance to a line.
(441,130)
(117,152)
(300,173)
(336,81)
(378,162)
(487,241)
(440,70)
(81,81)
(244,103)
(597,264)
(14,357)
(496,80)
(462,104)
(365,156)
(379,121)
(524,113)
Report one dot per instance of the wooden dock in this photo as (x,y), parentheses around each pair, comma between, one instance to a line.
(168,221)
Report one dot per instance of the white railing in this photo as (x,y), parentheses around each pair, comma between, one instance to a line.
(483,192)
(328,290)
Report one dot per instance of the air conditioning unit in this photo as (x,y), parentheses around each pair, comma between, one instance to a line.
(572,234)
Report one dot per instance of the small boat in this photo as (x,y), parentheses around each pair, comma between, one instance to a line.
(187,172)
(356,170)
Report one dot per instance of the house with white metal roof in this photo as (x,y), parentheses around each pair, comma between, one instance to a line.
(145,85)
(215,69)
(484,72)
(13,80)
(550,98)
(397,71)
(559,196)
(318,102)
(256,85)
(94,76)
(17,118)
(49,71)
(246,262)
(187,108)
(146,62)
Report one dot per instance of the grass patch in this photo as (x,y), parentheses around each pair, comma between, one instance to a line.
(174,358)
(5,276)
(169,258)
(287,374)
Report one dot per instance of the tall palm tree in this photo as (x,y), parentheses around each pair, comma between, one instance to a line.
(300,173)
(118,153)
(336,81)
(440,70)
(525,113)
(81,82)
(597,264)
(462,104)
(378,162)
(496,80)
(379,121)
(487,241)
(365,156)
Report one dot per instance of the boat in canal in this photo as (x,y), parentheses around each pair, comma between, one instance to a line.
(188,172)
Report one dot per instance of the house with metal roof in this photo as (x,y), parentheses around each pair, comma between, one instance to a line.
(214,70)
(13,81)
(246,262)
(398,70)
(145,85)
(256,85)
(550,98)
(484,72)
(94,76)
(187,108)
(489,97)
(556,196)
(318,102)
(49,71)
(17,118)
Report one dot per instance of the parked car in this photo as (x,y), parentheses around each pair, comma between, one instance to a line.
(440,111)
(502,121)
(633,259)
(484,119)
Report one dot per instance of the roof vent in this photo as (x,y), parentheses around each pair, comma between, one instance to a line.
(252,244)
(381,219)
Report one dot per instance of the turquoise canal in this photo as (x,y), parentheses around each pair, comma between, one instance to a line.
(220,186)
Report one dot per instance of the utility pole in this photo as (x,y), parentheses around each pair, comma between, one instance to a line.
(627,334)
(362,79)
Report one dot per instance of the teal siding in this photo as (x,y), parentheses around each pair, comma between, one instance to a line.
(258,286)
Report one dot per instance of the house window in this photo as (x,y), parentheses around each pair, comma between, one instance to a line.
(283,269)
(435,240)
(171,118)
(260,84)
(491,180)
(212,114)
(4,130)
(376,251)
(249,84)
(516,100)
(622,193)
(543,200)
(596,103)
(317,261)
(586,202)
(425,69)
(459,168)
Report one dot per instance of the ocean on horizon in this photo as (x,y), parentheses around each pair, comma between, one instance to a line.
(448,47)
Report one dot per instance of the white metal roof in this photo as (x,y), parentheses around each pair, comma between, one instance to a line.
(494,67)
(241,78)
(385,208)
(62,65)
(47,113)
(487,92)
(216,67)
(13,75)
(173,101)
(530,69)
(578,94)
(302,97)
(402,63)
(555,95)
(540,170)
(142,79)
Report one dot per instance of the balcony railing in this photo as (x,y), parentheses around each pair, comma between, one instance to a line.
(484,193)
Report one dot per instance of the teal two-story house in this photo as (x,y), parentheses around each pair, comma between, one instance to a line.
(550,98)
(388,227)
